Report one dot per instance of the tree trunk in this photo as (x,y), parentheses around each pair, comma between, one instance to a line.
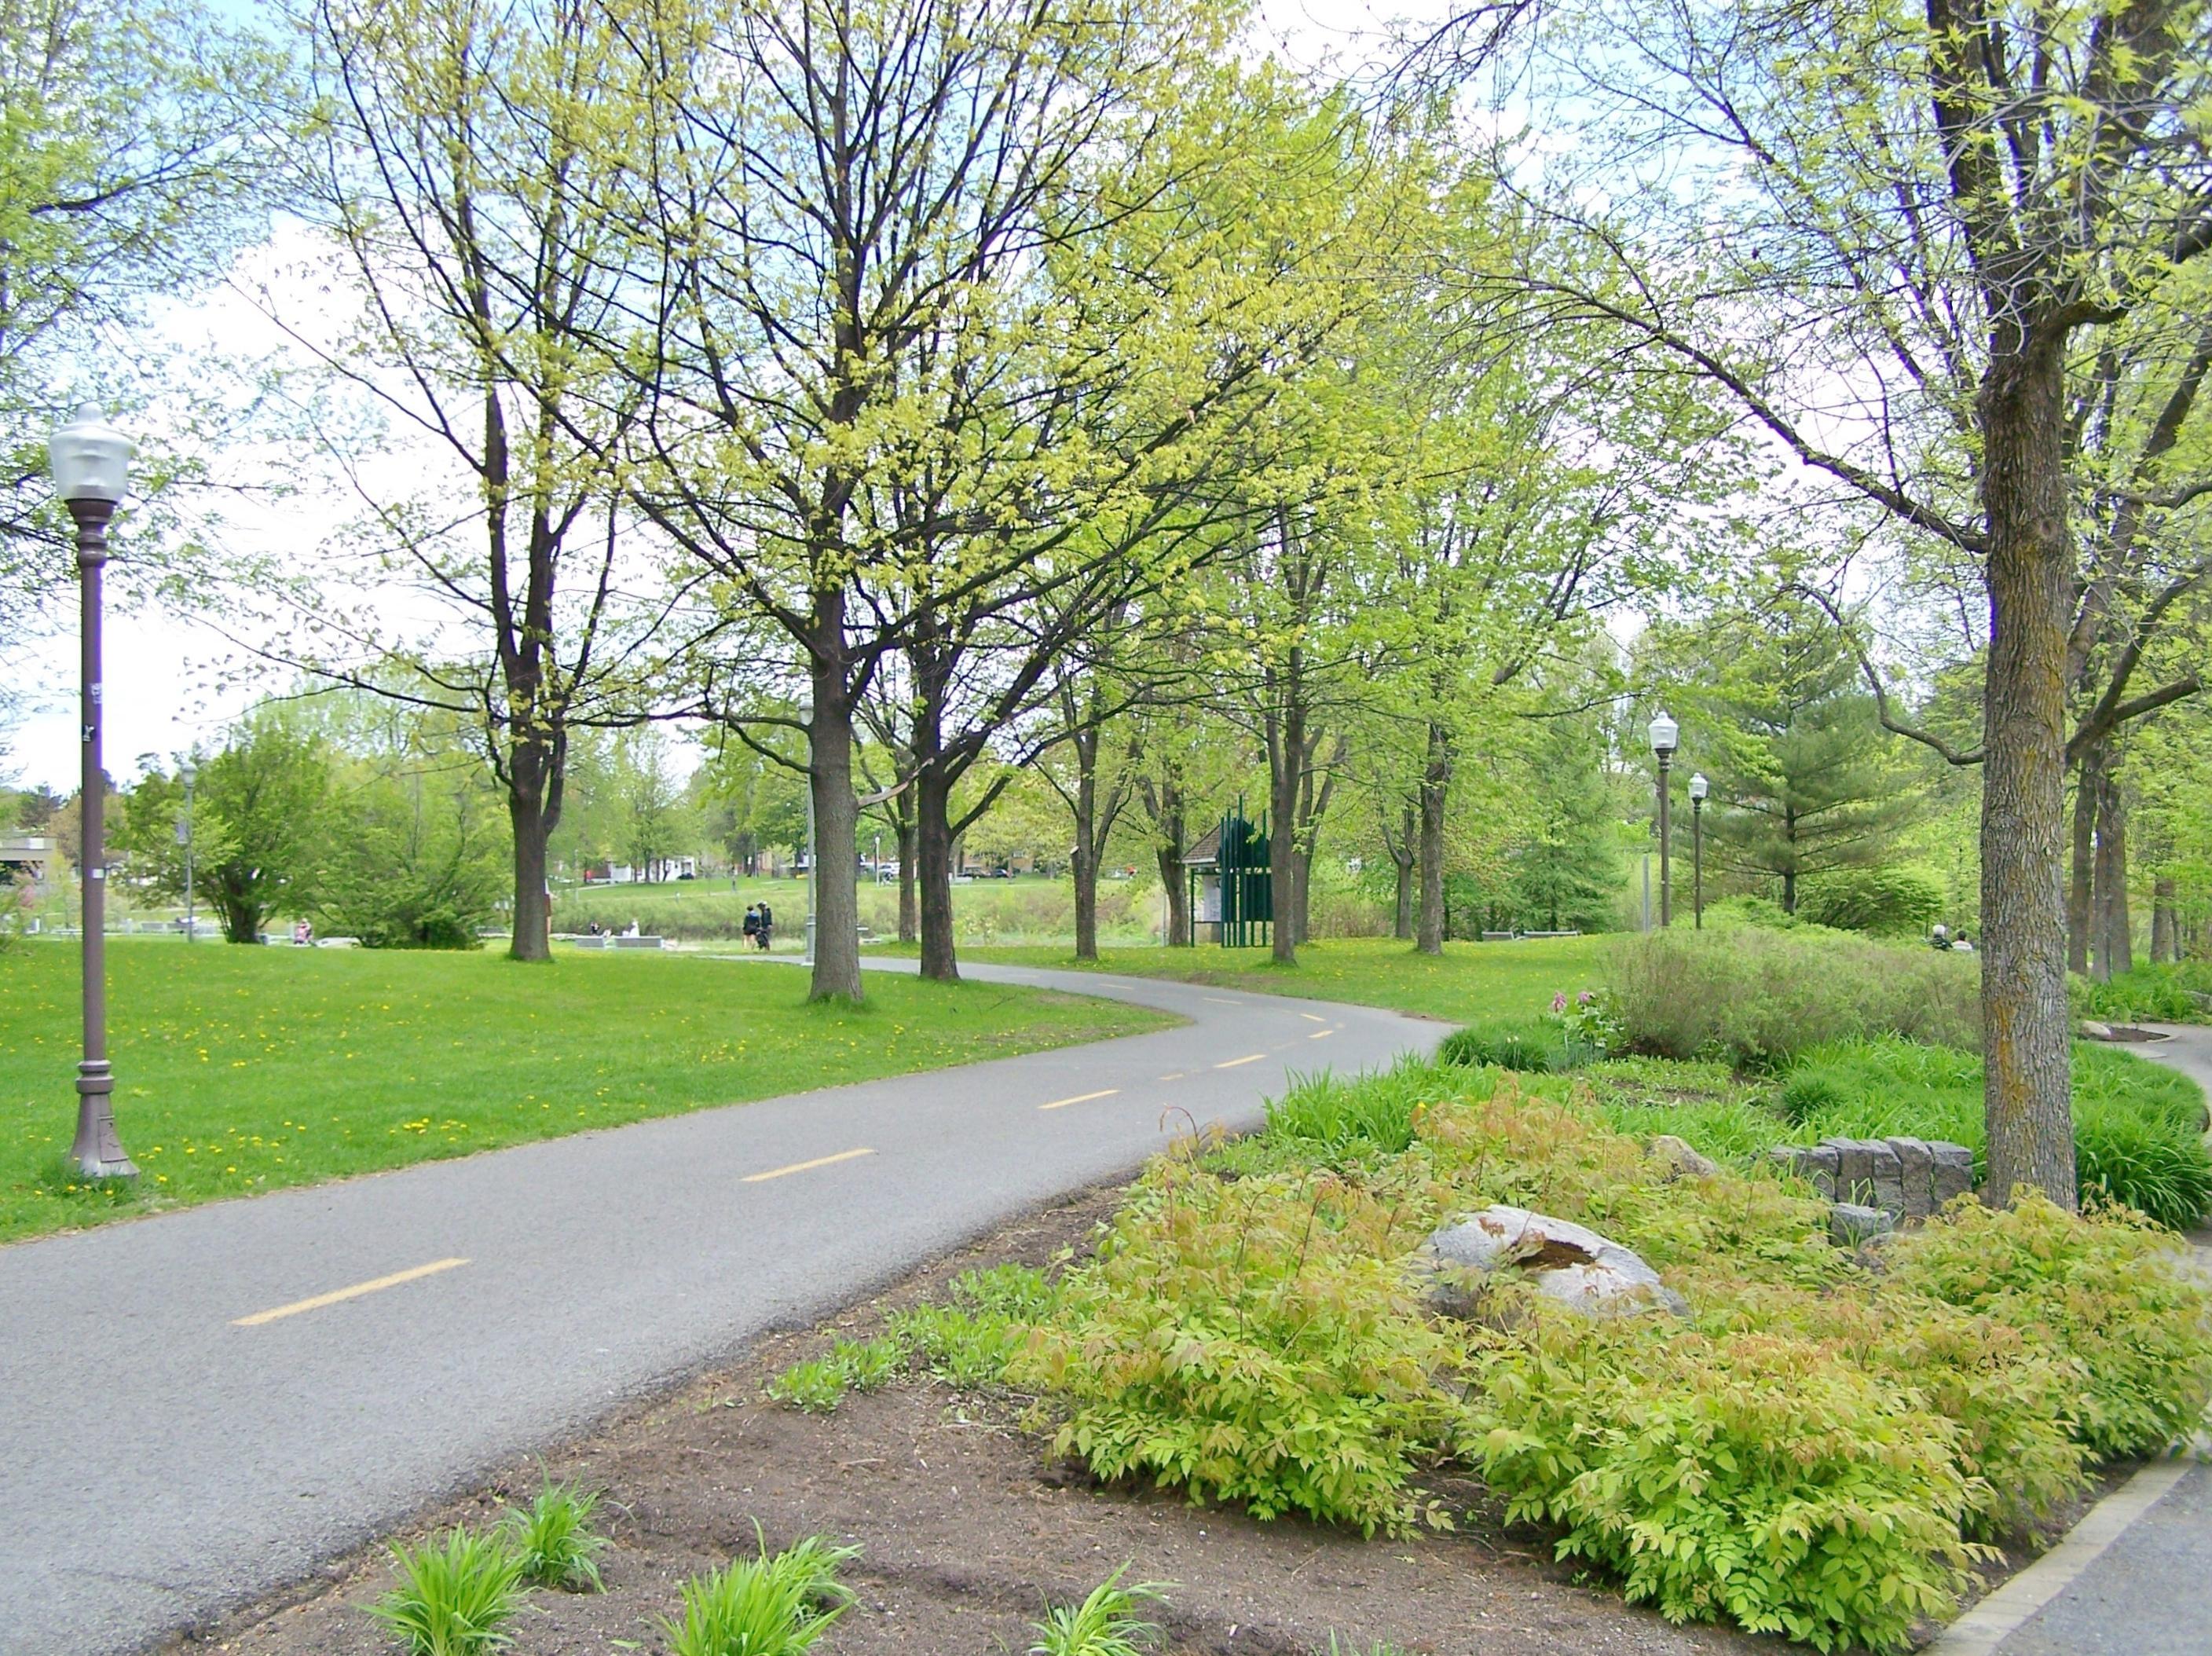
(1285,750)
(1402,862)
(932,801)
(2080,875)
(533,903)
(2165,942)
(1436,787)
(1169,837)
(909,902)
(2114,927)
(1084,857)
(836,834)
(2027,1085)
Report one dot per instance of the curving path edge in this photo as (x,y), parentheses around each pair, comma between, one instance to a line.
(193,1414)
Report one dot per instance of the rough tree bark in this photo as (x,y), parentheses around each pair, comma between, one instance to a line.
(2165,935)
(2028,1082)
(1399,846)
(837,810)
(1163,802)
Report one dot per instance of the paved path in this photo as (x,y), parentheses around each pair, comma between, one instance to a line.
(2144,1593)
(160,1461)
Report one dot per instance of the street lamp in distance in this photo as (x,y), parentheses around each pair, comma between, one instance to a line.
(90,462)
(1664,733)
(1698,790)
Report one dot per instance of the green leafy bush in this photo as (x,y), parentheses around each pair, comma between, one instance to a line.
(1110,1621)
(1819,1451)
(2104,1296)
(866,1365)
(553,1540)
(1756,998)
(1887,900)
(1748,1474)
(776,1606)
(962,1347)
(1351,1117)
(1252,1342)
(455,1598)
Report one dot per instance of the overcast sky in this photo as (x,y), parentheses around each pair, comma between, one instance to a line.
(172,683)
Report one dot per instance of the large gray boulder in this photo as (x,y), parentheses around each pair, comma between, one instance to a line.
(1680,1159)
(1570,1265)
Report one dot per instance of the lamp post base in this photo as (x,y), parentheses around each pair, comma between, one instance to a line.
(97,1152)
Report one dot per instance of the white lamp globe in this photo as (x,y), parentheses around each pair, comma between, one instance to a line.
(89,458)
(1664,730)
(1698,786)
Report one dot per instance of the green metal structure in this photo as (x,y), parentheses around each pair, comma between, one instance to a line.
(1239,881)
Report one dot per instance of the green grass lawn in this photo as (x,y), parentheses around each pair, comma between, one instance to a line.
(1027,910)
(239,1070)
(1470,983)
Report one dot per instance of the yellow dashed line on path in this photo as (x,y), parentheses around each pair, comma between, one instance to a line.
(1249,1058)
(804,1166)
(1313,1017)
(1321,1034)
(1080,1097)
(354,1293)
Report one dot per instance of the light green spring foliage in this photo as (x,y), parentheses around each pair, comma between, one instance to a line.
(775,1605)
(553,1540)
(1820,1451)
(454,1597)
(1107,1622)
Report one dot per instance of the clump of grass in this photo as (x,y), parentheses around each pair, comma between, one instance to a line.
(1107,1622)
(816,1386)
(965,1348)
(866,1365)
(1380,1647)
(775,1605)
(454,1598)
(553,1540)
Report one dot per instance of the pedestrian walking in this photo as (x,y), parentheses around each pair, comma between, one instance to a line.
(752,924)
(766,924)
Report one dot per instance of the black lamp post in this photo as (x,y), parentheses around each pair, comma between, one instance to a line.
(1698,788)
(1664,731)
(91,465)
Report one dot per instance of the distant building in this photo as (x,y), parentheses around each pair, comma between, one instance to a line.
(35,860)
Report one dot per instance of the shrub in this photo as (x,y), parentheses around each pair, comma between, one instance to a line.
(962,1347)
(2102,1294)
(763,1606)
(866,1365)
(1819,1451)
(1757,997)
(1251,1342)
(1750,1474)
(1336,1117)
(453,1598)
(1107,1622)
(553,1538)
(1887,900)
(1733,911)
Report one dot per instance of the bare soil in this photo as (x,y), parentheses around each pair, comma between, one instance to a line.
(967,1530)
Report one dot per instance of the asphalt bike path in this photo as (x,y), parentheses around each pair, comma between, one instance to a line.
(198,1407)
(2131,1579)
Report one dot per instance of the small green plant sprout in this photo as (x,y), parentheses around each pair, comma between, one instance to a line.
(773,1605)
(453,1598)
(1107,1623)
(816,1385)
(1381,1647)
(866,1365)
(554,1539)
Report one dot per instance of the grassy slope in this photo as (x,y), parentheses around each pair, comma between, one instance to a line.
(241,1069)
(1469,983)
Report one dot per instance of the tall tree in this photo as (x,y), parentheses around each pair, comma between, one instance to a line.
(1985,182)
(469,161)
